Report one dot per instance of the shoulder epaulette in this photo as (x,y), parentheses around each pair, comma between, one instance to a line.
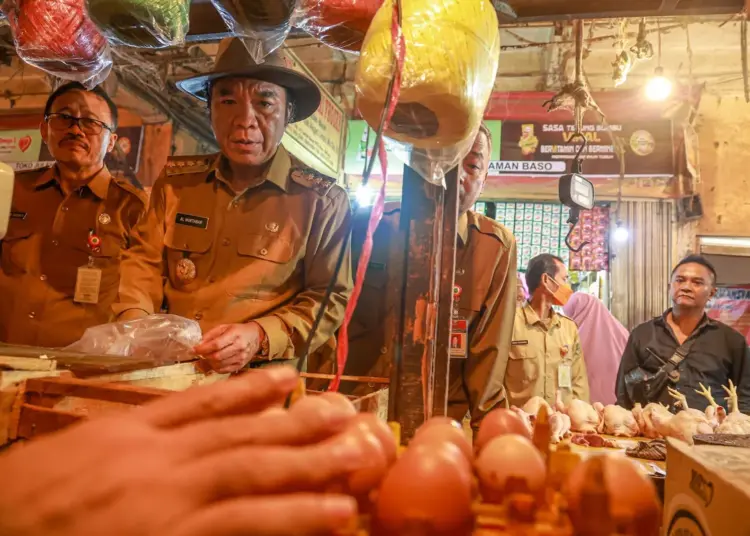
(183,165)
(488,226)
(32,173)
(310,178)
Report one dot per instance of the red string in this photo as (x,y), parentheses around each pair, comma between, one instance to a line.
(342,350)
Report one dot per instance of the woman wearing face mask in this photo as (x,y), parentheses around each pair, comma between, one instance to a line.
(546,353)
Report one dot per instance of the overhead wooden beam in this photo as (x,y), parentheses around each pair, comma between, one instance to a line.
(551,10)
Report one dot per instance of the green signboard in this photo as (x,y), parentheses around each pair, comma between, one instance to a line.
(359,147)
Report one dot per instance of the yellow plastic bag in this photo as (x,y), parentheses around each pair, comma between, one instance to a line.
(452,54)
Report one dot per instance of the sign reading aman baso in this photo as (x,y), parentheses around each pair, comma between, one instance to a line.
(318,140)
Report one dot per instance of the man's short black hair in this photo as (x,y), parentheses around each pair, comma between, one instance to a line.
(697,259)
(538,266)
(77,86)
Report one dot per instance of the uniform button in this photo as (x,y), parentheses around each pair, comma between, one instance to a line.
(43,277)
(225,242)
(55,243)
(198,315)
(212,279)
(384,350)
(32,315)
(264,252)
(65,209)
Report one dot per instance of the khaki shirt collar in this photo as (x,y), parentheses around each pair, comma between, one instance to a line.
(99,183)
(463,228)
(276,173)
(533,319)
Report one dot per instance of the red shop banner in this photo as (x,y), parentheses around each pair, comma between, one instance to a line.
(732,307)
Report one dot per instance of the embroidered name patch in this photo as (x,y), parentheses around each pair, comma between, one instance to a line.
(18,215)
(519,343)
(191,221)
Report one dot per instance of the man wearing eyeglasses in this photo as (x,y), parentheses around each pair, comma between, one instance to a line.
(60,260)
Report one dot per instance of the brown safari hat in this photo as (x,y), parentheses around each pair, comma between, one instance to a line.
(233,60)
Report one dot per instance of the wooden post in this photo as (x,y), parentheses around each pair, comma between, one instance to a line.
(420,368)
(445,304)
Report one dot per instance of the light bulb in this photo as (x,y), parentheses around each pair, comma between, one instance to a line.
(364,195)
(659,88)
(621,233)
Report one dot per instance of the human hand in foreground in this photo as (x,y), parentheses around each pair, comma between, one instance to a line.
(217,460)
(229,347)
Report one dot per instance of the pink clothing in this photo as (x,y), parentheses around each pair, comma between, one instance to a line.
(603,341)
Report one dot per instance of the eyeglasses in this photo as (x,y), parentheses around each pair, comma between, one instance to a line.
(86,124)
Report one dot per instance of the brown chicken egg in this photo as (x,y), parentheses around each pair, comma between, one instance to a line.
(443,432)
(607,494)
(509,463)
(427,491)
(499,422)
(339,400)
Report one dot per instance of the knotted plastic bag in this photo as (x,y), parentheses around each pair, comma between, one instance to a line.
(58,37)
(142,23)
(452,54)
(157,338)
(263,25)
(340,24)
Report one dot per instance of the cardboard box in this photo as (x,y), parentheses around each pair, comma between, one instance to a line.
(707,490)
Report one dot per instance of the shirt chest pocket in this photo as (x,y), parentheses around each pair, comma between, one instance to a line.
(523,367)
(16,247)
(271,260)
(191,243)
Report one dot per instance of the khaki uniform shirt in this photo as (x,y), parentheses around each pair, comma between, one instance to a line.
(46,244)
(486,274)
(266,254)
(537,354)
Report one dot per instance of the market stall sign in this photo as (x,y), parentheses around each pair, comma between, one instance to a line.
(20,148)
(318,140)
(543,149)
(732,307)
(360,147)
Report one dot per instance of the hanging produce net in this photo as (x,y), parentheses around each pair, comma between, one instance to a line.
(453,49)
(263,25)
(142,23)
(340,24)
(58,37)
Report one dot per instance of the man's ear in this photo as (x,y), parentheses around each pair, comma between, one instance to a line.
(112,142)
(713,292)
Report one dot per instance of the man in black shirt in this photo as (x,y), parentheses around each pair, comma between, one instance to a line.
(684,348)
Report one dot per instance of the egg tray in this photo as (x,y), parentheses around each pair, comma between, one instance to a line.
(519,516)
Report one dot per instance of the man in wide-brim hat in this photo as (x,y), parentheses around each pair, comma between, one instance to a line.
(245,242)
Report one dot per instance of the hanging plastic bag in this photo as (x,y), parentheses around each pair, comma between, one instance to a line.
(452,54)
(158,338)
(58,37)
(340,24)
(263,25)
(142,23)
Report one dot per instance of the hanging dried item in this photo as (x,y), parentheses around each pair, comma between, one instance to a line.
(642,50)
(58,37)
(142,23)
(340,24)
(572,96)
(263,24)
(621,68)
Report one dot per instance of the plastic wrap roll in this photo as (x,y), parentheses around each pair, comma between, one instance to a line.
(339,24)
(58,37)
(142,23)
(452,53)
(263,24)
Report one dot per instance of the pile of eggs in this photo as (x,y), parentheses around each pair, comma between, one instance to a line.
(430,487)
